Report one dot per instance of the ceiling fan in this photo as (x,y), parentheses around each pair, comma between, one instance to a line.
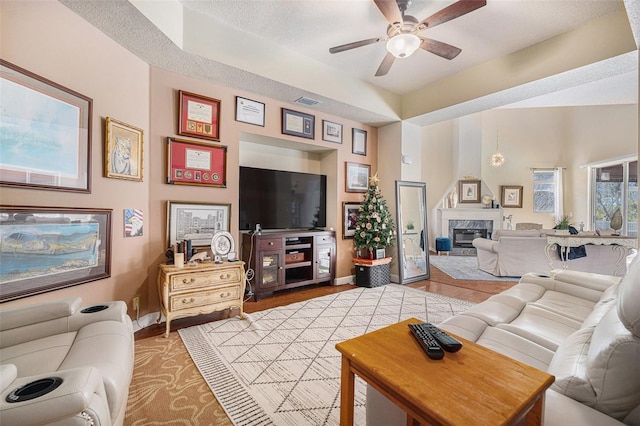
(402,38)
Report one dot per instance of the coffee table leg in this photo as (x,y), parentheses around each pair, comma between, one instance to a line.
(347,383)
(535,415)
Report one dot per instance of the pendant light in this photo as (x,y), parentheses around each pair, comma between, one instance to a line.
(497,159)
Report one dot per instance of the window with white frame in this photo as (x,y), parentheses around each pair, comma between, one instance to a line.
(614,186)
(547,191)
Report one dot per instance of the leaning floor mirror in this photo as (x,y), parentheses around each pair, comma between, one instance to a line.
(412,237)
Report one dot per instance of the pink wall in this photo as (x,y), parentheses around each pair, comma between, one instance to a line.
(48,39)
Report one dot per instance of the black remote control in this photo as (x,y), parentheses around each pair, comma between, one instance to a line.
(427,342)
(447,342)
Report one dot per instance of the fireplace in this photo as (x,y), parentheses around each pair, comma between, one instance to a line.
(463,237)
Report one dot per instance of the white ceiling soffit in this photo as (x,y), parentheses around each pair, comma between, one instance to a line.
(279,48)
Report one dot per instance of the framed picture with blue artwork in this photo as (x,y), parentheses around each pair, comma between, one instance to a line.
(48,248)
(45,139)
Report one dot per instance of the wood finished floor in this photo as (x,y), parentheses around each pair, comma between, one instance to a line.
(439,283)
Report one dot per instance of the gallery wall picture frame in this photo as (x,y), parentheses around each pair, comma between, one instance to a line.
(196,163)
(123,150)
(359,142)
(133,222)
(350,212)
(211,217)
(511,196)
(356,177)
(52,248)
(250,111)
(46,141)
(199,116)
(299,124)
(469,191)
(331,132)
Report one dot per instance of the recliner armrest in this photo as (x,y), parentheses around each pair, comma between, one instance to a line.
(80,393)
(40,312)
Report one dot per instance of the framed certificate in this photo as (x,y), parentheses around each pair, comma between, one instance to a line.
(199,116)
(298,124)
(248,111)
(196,163)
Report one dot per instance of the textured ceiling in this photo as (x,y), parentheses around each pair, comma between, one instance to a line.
(300,32)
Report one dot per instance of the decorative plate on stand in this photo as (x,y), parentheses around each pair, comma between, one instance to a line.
(222,244)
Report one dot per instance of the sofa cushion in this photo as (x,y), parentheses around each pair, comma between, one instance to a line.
(565,304)
(516,347)
(629,298)
(39,356)
(542,326)
(497,309)
(599,367)
(512,233)
(465,326)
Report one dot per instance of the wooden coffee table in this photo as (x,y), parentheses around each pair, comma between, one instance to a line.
(472,386)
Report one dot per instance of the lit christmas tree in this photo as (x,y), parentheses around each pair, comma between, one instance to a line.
(374,228)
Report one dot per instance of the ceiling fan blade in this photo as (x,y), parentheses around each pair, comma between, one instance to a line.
(439,48)
(349,46)
(390,10)
(453,11)
(385,66)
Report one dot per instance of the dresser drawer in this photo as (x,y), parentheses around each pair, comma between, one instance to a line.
(270,243)
(193,280)
(211,297)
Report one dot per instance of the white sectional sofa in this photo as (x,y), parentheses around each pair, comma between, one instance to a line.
(582,328)
(513,253)
(65,364)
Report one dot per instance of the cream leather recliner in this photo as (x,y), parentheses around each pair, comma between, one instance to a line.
(62,364)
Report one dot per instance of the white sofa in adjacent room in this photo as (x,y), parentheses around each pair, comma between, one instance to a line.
(582,328)
(64,364)
(513,253)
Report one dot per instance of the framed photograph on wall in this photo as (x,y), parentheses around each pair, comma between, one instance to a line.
(469,191)
(359,142)
(331,132)
(195,221)
(46,137)
(196,163)
(248,111)
(199,116)
(356,177)
(49,248)
(298,124)
(122,151)
(350,212)
(511,196)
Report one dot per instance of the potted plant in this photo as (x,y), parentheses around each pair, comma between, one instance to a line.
(410,226)
(562,225)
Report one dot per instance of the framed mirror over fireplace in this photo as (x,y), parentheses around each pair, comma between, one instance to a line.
(412,238)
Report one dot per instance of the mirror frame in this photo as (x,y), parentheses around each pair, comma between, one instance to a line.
(422,187)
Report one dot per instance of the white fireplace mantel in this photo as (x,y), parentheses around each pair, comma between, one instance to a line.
(445,215)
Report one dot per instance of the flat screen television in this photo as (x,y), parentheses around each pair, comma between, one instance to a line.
(278,199)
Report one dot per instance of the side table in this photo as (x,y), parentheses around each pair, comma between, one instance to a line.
(200,289)
(472,386)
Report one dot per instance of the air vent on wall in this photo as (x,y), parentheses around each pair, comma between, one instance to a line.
(307,101)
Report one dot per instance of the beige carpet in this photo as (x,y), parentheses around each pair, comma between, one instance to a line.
(280,366)
(167,388)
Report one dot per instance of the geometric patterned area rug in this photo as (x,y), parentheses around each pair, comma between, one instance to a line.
(465,268)
(280,366)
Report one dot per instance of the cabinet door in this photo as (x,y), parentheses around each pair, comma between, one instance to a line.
(324,261)
(270,264)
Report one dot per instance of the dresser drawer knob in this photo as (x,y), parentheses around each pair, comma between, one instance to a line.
(270,243)
(225,295)
(185,281)
(188,300)
(225,276)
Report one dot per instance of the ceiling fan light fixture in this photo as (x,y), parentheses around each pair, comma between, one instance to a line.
(403,45)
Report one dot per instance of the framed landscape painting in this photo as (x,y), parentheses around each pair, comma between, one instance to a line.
(45,137)
(48,248)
